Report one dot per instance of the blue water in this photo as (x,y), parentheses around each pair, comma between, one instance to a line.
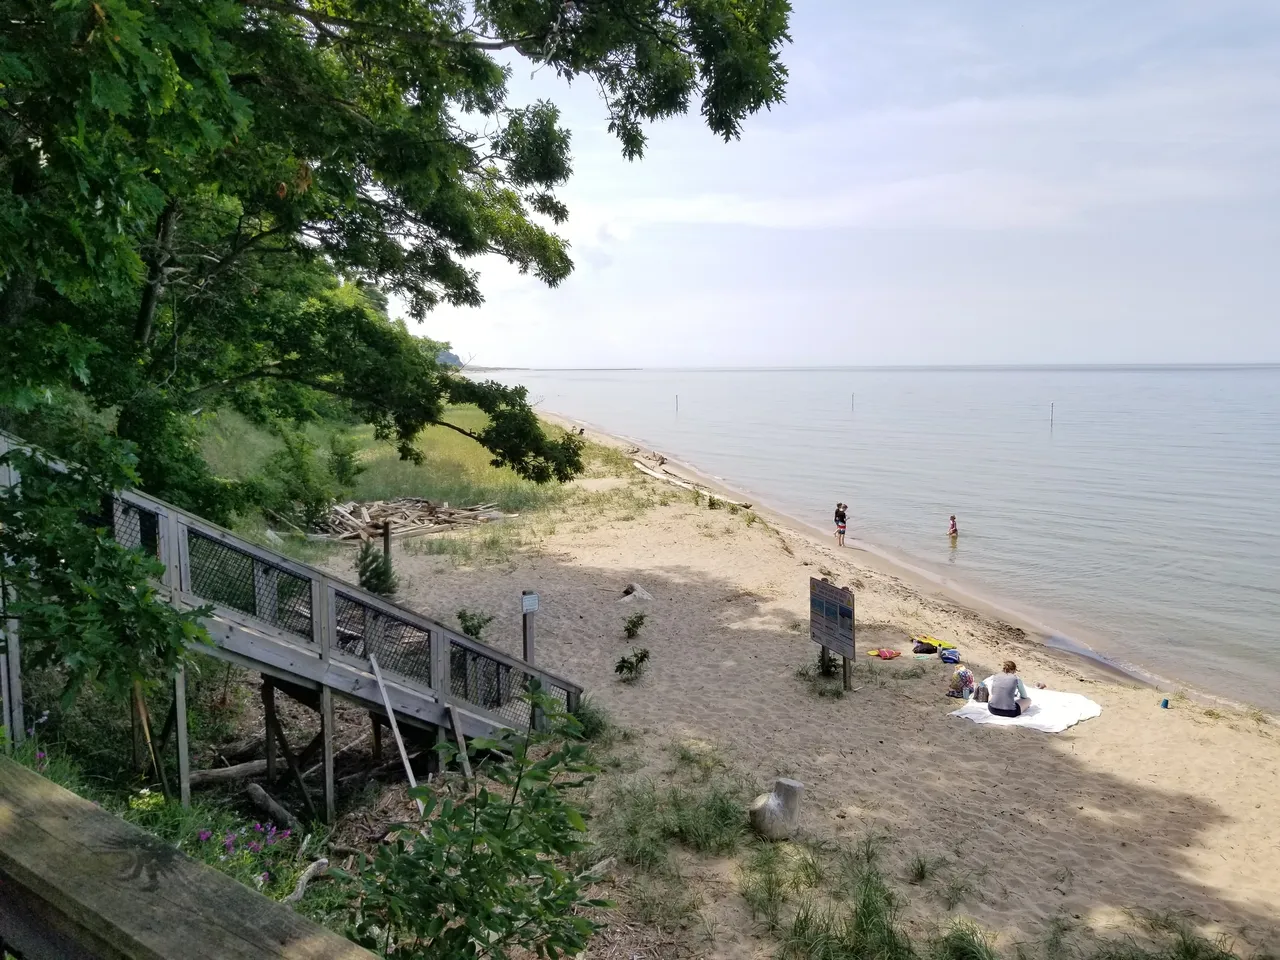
(1144,521)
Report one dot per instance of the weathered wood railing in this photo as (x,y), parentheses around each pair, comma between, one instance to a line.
(78,882)
(296,623)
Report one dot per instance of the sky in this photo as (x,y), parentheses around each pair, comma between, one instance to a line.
(948,182)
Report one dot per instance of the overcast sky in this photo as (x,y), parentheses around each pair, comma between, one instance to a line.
(947,183)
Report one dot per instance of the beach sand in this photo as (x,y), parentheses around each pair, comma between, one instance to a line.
(1143,808)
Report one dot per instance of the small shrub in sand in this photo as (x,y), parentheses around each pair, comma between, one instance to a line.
(639,821)
(631,627)
(373,570)
(630,667)
(473,622)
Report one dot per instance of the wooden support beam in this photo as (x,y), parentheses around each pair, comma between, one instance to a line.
(456,722)
(377,737)
(292,762)
(180,720)
(326,731)
(268,718)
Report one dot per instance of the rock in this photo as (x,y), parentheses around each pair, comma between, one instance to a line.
(776,815)
(634,591)
(273,538)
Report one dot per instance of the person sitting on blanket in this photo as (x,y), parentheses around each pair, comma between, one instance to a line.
(1008,695)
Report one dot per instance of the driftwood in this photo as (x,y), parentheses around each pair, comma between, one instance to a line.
(307,876)
(409,517)
(254,768)
(272,808)
(667,477)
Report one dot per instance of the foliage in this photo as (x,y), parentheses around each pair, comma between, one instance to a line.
(373,567)
(473,623)
(631,628)
(594,722)
(344,460)
(297,486)
(206,203)
(484,874)
(630,667)
(85,601)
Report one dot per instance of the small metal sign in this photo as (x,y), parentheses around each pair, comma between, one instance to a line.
(528,602)
(831,616)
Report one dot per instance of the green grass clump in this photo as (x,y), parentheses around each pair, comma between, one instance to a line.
(639,822)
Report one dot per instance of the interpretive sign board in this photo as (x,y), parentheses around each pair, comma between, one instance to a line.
(831,616)
(529,603)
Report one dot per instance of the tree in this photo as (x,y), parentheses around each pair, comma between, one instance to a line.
(197,192)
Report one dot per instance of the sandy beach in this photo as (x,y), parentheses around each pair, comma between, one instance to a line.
(1141,809)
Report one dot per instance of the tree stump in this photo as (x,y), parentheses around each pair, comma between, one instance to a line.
(776,815)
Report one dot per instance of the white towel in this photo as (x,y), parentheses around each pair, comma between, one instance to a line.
(1051,711)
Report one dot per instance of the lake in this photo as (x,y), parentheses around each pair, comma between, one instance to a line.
(1143,519)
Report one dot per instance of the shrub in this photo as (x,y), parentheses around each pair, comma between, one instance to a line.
(632,626)
(374,570)
(629,668)
(344,460)
(295,485)
(473,623)
(484,874)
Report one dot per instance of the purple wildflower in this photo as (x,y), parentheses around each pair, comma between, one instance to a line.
(255,846)
(283,834)
(205,835)
(39,754)
(257,827)
(229,843)
(265,876)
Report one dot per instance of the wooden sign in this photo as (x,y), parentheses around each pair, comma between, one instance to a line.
(831,616)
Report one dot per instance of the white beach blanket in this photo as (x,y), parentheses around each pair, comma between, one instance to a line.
(1051,711)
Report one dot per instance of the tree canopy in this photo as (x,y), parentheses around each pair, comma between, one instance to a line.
(206,201)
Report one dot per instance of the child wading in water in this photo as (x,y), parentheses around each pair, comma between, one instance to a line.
(953,530)
(841,521)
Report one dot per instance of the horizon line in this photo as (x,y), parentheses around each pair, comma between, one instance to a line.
(956,367)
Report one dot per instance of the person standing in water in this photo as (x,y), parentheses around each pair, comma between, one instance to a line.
(842,518)
(953,530)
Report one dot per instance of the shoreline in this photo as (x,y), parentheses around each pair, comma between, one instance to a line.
(1043,636)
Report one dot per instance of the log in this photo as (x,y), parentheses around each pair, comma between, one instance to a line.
(272,808)
(242,749)
(254,768)
(307,876)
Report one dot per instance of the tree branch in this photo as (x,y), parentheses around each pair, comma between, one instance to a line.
(157,273)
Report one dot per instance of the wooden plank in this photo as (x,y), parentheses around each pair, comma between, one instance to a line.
(274,728)
(125,894)
(268,720)
(326,728)
(455,721)
(395,729)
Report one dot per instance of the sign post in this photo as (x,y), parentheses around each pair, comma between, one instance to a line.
(831,622)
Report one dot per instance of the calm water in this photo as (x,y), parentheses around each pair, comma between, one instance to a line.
(1145,522)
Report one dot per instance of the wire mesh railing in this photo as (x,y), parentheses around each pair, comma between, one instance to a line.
(364,630)
(222,573)
(496,685)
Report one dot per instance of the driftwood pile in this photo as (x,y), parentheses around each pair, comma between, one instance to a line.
(409,517)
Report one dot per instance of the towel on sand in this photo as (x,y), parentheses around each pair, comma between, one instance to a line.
(1051,711)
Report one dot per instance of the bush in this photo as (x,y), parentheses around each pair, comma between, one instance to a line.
(631,628)
(344,460)
(472,623)
(629,668)
(295,485)
(484,874)
(373,567)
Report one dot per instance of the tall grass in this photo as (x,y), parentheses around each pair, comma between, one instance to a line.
(639,822)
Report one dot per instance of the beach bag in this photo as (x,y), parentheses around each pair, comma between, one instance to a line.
(949,655)
(888,654)
(924,646)
(982,694)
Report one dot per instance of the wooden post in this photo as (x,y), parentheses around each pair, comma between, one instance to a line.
(180,716)
(291,761)
(6,723)
(848,673)
(326,728)
(377,737)
(13,688)
(386,539)
(269,717)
